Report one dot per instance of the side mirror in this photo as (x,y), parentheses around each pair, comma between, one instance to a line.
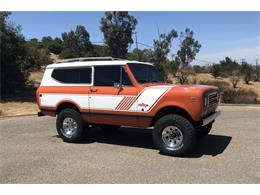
(118,85)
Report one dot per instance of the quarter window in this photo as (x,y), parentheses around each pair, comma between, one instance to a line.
(73,75)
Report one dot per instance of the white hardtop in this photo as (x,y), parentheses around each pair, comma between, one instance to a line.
(94,63)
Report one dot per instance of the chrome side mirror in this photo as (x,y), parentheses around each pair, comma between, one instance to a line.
(118,85)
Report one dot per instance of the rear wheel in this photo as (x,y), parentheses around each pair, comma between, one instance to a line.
(70,125)
(174,135)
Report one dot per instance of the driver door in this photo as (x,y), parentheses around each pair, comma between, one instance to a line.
(111,96)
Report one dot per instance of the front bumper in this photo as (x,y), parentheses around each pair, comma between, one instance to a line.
(210,118)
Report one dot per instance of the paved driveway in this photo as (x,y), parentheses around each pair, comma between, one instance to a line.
(31,152)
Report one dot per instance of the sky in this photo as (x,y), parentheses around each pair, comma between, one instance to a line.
(221,34)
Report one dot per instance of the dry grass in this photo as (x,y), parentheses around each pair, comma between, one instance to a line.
(205,77)
(17,108)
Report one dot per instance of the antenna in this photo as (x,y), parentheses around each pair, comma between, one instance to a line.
(136,43)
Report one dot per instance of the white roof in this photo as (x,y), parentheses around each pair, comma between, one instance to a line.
(95,63)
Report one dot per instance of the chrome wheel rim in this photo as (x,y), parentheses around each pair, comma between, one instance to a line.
(69,127)
(172,136)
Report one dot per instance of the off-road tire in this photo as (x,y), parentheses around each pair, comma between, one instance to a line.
(186,128)
(76,116)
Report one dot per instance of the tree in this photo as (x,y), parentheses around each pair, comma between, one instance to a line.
(76,43)
(257,73)
(247,70)
(235,78)
(228,66)
(215,70)
(12,55)
(145,55)
(189,47)
(118,28)
(162,48)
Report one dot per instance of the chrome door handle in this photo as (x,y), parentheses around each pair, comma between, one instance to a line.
(93,90)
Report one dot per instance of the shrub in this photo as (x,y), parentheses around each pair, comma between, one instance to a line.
(247,70)
(183,75)
(222,85)
(240,96)
(235,79)
(215,70)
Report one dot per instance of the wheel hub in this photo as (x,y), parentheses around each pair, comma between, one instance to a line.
(172,136)
(69,127)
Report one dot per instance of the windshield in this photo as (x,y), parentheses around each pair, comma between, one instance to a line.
(145,73)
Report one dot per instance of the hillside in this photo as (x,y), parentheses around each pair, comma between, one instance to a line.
(22,107)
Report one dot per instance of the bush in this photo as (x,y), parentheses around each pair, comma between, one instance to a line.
(183,75)
(215,70)
(234,79)
(222,85)
(240,96)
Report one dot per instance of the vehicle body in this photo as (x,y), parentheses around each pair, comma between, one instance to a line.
(112,93)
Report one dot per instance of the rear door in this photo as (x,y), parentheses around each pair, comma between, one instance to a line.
(111,96)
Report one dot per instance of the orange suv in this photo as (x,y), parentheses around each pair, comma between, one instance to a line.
(111,92)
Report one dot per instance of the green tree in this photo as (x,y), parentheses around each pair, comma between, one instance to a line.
(12,56)
(228,66)
(189,47)
(101,50)
(118,28)
(76,43)
(247,71)
(162,48)
(215,70)
(257,73)
(145,55)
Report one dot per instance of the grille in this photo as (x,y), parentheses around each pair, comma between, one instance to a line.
(212,98)
(212,101)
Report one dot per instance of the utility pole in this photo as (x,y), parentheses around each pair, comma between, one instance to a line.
(243,61)
(256,62)
(136,43)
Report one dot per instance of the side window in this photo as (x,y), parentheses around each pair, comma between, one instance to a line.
(73,75)
(106,75)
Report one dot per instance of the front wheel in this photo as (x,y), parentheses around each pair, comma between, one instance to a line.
(70,125)
(174,135)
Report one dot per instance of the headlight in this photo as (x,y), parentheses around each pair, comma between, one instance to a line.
(206,101)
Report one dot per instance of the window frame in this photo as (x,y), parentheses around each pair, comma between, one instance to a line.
(74,67)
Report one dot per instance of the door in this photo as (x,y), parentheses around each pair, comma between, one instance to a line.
(111,96)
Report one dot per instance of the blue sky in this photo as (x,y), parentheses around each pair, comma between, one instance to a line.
(234,34)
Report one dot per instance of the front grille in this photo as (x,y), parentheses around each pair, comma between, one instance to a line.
(212,102)
(212,98)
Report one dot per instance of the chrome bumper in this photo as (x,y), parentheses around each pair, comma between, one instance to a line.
(210,118)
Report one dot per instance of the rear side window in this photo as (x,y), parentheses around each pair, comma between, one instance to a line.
(73,75)
(108,75)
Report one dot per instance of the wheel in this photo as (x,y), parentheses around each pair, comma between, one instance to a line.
(203,131)
(174,135)
(109,128)
(70,125)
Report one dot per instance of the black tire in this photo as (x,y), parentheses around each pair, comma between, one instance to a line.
(187,130)
(109,128)
(78,133)
(203,131)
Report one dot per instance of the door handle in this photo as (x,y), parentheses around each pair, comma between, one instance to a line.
(93,90)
